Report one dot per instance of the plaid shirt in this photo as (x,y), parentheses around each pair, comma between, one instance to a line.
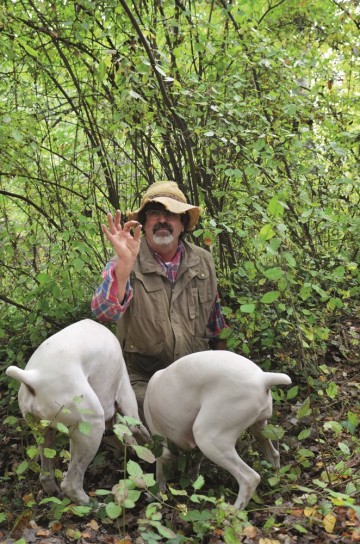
(106,307)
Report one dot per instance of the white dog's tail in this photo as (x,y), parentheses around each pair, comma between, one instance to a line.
(276,378)
(27,377)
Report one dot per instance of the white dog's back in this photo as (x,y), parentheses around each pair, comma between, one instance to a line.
(78,375)
(65,366)
(207,399)
(215,380)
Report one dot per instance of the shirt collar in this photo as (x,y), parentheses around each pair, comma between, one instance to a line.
(177,257)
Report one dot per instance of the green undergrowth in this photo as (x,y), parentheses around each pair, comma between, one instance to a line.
(315,427)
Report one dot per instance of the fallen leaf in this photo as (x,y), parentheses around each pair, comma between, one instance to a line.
(297,513)
(309,511)
(329,522)
(351,514)
(43,532)
(73,533)
(56,526)
(93,524)
(28,498)
(250,531)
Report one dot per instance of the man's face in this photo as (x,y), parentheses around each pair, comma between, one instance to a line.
(161,227)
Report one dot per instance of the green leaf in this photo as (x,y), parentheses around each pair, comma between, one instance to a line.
(49,453)
(134,495)
(122,431)
(144,453)
(199,482)
(55,500)
(344,448)
(136,95)
(113,510)
(81,510)
(178,492)
(320,291)
(304,434)
(102,492)
(274,480)
(32,451)
(332,390)
(62,428)
(78,264)
(275,207)
(231,536)
(11,420)
(266,232)
(292,392)
(352,422)
(300,528)
(247,308)
(165,531)
(304,409)
(274,273)
(134,469)
(149,479)
(85,427)
(290,259)
(334,426)
(273,432)
(339,273)
(28,48)
(269,297)
(305,453)
(22,467)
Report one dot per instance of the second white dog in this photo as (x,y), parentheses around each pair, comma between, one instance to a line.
(207,400)
(76,376)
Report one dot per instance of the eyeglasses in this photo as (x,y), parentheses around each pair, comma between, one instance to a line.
(155,214)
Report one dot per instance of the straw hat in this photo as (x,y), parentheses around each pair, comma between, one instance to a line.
(169,195)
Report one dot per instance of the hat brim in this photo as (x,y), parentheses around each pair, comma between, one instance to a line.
(171,205)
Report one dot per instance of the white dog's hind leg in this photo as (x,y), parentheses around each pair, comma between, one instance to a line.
(219,447)
(83,450)
(84,444)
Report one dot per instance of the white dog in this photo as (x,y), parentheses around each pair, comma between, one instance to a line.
(207,400)
(77,375)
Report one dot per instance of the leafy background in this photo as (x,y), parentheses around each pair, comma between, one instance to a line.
(253,108)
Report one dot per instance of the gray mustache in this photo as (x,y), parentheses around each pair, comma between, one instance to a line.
(160,226)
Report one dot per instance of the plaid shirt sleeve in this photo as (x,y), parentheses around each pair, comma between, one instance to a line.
(216,321)
(105,304)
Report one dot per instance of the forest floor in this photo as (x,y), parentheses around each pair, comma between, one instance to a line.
(295,508)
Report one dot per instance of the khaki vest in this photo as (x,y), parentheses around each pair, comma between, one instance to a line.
(165,322)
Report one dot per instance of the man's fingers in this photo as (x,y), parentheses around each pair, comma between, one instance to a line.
(137,232)
(131,225)
(117,219)
(114,228)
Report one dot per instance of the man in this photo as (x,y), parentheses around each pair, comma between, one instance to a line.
(161,290)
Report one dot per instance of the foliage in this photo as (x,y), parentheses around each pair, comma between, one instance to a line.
(251,108)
